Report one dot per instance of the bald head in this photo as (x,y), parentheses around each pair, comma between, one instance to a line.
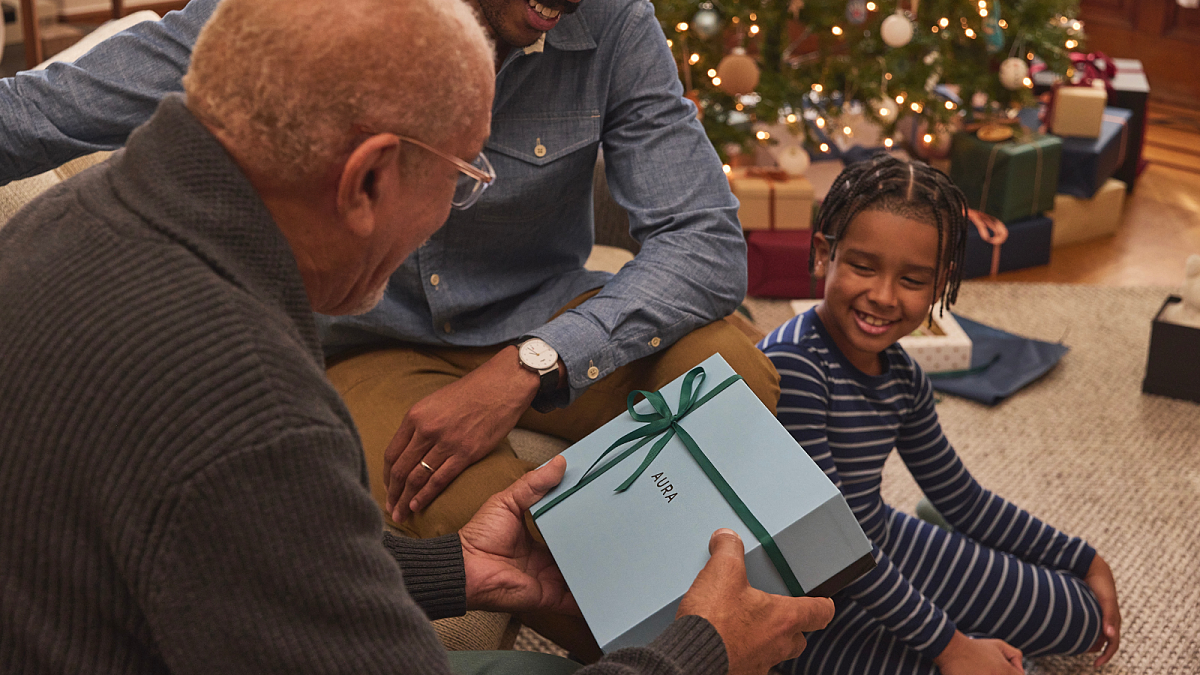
(289,86)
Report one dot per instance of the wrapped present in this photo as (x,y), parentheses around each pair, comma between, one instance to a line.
(772,200)
(630,523)
(1028,245)
(1173,363)
(1130,90)
(778,265)
(1011,179)
(1088,162)
(1077,220)
(943,347)
(1078,111)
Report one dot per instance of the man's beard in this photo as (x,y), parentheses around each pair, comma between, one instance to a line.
(369,301)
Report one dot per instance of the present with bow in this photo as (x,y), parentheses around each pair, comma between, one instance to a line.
(1087,163)
(772,199)
(1010,179)
(630,523)
(1077,109)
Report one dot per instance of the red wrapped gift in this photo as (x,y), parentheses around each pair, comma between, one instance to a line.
(778,262)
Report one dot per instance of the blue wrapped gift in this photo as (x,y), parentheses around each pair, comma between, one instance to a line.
(632,535)
(1028,245)
(1087,163)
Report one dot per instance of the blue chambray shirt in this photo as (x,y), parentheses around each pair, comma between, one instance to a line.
(499,270)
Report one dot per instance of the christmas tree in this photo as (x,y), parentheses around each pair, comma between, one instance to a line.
(827,69)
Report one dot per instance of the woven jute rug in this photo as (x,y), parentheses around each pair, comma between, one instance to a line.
(1086,451)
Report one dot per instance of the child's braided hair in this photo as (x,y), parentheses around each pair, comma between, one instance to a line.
(911,190)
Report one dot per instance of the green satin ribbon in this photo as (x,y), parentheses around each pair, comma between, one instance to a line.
(665,425)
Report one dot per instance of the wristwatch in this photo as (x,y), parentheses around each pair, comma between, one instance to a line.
(535,355)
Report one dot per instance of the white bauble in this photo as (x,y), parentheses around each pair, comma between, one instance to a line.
(886,108)
(793,159)
(738,72)
(706,23)
(896,30)
(1013,72)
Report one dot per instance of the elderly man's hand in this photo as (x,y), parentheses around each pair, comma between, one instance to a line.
(759,629)
(507,571)
(452,429)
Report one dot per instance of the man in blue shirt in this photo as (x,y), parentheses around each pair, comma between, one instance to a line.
(434,375)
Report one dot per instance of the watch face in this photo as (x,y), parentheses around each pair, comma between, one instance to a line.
(537,354)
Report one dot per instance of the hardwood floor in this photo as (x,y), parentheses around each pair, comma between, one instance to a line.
(1161,226)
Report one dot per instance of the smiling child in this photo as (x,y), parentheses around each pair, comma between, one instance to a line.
(889,242)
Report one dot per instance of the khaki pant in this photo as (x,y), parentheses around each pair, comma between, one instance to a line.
(380,386)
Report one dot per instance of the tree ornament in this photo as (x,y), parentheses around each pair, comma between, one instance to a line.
(793,159)
(1013,72)
(738,72)
(707,22)
(993,35)
(886,109)
(856,11)
(896,30)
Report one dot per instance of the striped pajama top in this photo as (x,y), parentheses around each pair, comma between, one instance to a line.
(848,422)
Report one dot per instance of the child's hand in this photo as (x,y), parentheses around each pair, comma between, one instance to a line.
(967,656)
(1100,579)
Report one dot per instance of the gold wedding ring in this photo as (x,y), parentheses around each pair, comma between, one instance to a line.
(426,466)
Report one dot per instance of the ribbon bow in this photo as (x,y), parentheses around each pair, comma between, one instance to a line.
(1092,67)
(665,425)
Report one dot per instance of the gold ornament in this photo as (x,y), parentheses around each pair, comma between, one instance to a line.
(738,72)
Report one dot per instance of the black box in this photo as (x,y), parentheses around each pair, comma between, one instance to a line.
(1028,245)
(1173,367)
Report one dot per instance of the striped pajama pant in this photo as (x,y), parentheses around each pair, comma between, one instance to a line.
(987,593)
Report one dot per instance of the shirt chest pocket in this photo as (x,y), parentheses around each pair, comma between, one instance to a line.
(542,162)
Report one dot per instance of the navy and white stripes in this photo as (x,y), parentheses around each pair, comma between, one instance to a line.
(1003,573)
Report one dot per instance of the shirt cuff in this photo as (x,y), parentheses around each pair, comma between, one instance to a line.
(584,350)
(1084,562)
(434,574)
(694,645)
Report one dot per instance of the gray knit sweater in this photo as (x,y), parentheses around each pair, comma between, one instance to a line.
(181,490)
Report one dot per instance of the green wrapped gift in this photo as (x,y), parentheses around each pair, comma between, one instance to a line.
(1011,179)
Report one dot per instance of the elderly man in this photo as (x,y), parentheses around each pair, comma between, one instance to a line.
(183,490)
(434,377)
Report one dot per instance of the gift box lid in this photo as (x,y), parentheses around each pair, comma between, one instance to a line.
(1130,77)
(629,557)
(1092,93)
(792,187)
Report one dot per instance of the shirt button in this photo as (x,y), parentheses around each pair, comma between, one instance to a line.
(654,342)
(434,280)
(448,328)
(539,149)
(593,372)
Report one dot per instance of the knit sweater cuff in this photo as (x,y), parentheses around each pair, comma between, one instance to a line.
(694,645)
(434,574)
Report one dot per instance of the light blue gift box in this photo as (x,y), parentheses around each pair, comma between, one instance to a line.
(630,556)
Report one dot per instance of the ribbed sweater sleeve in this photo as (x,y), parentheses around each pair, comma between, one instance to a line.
(433,572)
(689,646)
(269,560)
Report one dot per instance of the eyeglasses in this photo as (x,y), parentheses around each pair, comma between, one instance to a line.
(476,175)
